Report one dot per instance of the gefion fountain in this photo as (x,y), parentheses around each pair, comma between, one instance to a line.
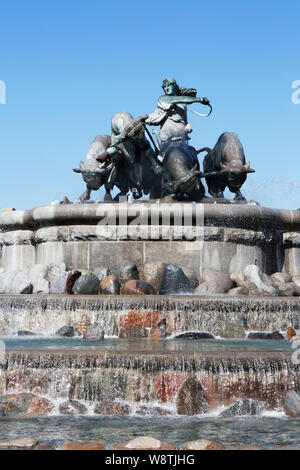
(177,315)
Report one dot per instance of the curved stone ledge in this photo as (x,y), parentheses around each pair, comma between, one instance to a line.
(229,215)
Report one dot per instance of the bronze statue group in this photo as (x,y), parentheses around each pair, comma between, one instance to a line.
(136,164)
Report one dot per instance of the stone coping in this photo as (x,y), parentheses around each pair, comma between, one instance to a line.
(247,216)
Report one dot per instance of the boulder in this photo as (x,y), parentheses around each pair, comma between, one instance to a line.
(38,272)
(237,277)
(144,443)
(23,443)
(210,276)
(250,286)
(94,333)
(191,398)
(244,407)
(292,404)
(87,284)
(152,273)
(194,335)
(159,331)
(55,270)
(136,287)
(67,331)
(153,411)
(102,272)
(290,333)
(209,288)
(283,278)
(203,444)
(296,280)
(232,329)
(255,275)
(24,404)
(41,287)
(71,279)
(288,290)
(110,286)
(59,284)
(175,281)
(83,445)
(127,271)
(26,333)
(111,408)
(133,332)
(72,407)
(238,291)
(275,335)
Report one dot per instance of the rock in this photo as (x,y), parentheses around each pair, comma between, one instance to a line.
(255,275)
(287,290)
(232,329)
(144,443)
(175,281)
(27,290)
(247,285)
(110,286)
(102,272)
(152,273)
(94,333)
(133,332)
(159,331)
(86,285)
(259,293)
(237,277)
(111,408)
(296,280)
(153,411)
(26,333)
(194,335)
(127,271)
(55,270)
(83,445)
(290,333)
(23,443)
(59,284)
(244,407)
(210,276)
(134,287)
(292,404)
(48,445)
(66,331)
(275,335)
(40,406)
(65,201)
(238,291)
(202,444)
(211,288)
(38,272)
(71,279)
(41,287)
(191,398)
(283,278)
(24,404)
(72,407)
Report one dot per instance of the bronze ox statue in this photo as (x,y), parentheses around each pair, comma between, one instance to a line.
(227,161)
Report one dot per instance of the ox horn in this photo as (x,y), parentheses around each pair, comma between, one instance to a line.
(248,169)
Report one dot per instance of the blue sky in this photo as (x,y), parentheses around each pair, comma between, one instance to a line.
(70,65)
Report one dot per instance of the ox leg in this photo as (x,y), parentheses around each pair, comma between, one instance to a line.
(239,196)
(86,195)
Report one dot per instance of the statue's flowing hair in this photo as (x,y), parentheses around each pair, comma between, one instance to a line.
(179,90)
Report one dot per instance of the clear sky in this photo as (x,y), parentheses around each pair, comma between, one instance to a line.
(70,65)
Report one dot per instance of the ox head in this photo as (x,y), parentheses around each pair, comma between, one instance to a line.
(236,167)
